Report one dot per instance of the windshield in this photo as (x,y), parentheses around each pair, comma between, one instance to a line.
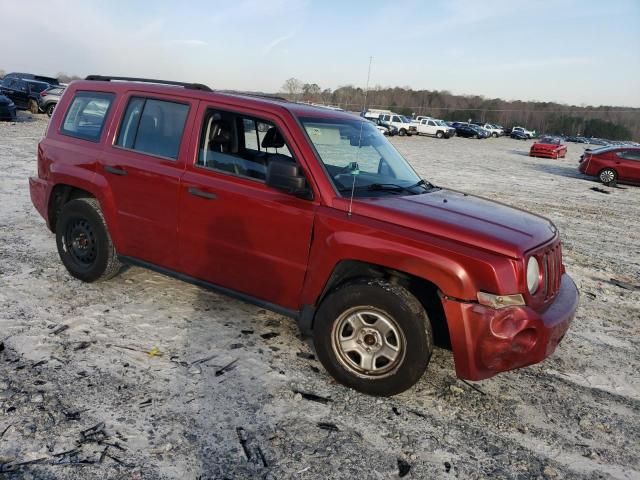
(441,123)
(356,155)
(405,119)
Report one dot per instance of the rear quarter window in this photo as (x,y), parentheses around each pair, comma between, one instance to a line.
(86,115)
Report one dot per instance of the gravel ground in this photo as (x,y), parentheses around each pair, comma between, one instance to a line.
(146,377)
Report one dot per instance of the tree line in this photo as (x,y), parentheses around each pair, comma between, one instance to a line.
(613,123)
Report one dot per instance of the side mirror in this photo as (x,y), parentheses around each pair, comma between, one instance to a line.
(286,176)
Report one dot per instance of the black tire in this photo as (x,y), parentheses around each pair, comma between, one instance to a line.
(33,107)
(402,132)
(399,305)
(476,136)
(50,109)
(608,176)
(494,135)
(83,241)
(439,134)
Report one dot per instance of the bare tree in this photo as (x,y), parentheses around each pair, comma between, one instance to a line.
(65,78)
(292,87)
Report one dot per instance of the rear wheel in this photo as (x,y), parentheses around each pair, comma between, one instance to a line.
(83,241)
(608,176)
(373,336)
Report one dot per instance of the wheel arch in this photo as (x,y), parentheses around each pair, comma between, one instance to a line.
(67,190)
(426,291)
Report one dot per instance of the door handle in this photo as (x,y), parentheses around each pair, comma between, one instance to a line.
(199,193)
(115,170)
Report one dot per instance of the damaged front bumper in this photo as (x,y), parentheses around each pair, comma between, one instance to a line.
(486,341)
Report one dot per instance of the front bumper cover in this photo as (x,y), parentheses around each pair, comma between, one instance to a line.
(487,341)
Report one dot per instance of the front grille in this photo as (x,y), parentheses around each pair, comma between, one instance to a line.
(551,261)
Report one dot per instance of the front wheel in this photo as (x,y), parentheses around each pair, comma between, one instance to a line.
(373,336)
(608,176)
(439,134)
(83,241)
(402,132)
(50,109)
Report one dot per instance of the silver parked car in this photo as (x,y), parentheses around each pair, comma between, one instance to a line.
(49,98)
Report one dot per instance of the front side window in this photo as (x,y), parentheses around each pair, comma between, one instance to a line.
(86,115)
(240,145)
(396,119)
(357,156)
(153,126)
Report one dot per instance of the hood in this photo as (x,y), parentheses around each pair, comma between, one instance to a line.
(464,218)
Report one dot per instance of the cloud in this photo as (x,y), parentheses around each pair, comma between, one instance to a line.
(274,43)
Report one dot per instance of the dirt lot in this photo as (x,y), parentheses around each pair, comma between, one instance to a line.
(216,398)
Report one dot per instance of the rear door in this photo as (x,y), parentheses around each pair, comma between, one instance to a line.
(143,166)
(235,231)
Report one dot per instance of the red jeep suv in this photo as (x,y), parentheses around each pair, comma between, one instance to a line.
(309,212)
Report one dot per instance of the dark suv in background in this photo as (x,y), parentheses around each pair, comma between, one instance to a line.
(25,93)
(49,98)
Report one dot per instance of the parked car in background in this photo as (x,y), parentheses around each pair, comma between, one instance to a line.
(493,130)
(49,98)
(598,141)
(387,130)
(527,133)
(402,123)
(435,128)
(612,164)
(24,93)
(319,218)
(32,76)
(548,147)
(519,135)
(467,130)
(7,109)
(387,117)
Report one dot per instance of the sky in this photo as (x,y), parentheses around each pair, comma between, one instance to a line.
(578,52)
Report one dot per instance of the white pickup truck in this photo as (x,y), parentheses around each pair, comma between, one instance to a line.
(528,133)
(435,128)
(493,130)
(387,117)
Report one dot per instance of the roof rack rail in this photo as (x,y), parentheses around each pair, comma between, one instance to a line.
(253,94)
(190,86)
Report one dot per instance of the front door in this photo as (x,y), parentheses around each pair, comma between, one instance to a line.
(628,165)
(143,168)
(235,231)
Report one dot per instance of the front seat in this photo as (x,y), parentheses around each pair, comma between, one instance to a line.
(221,151)
(274,139)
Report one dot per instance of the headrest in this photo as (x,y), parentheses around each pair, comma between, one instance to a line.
(272,139)
(221,135)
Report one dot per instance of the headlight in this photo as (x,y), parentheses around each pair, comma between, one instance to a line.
(533,275)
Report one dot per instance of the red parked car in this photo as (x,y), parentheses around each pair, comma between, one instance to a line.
(306,211)
(549,147)
(612,164)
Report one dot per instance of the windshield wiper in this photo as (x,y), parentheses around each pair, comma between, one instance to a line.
(423,183)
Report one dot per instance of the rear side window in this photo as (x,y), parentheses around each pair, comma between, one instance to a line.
(153,126)
(86,115)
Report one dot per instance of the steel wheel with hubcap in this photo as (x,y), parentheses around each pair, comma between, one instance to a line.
(608,176)
(368,342)
(373,336)
(50,109)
